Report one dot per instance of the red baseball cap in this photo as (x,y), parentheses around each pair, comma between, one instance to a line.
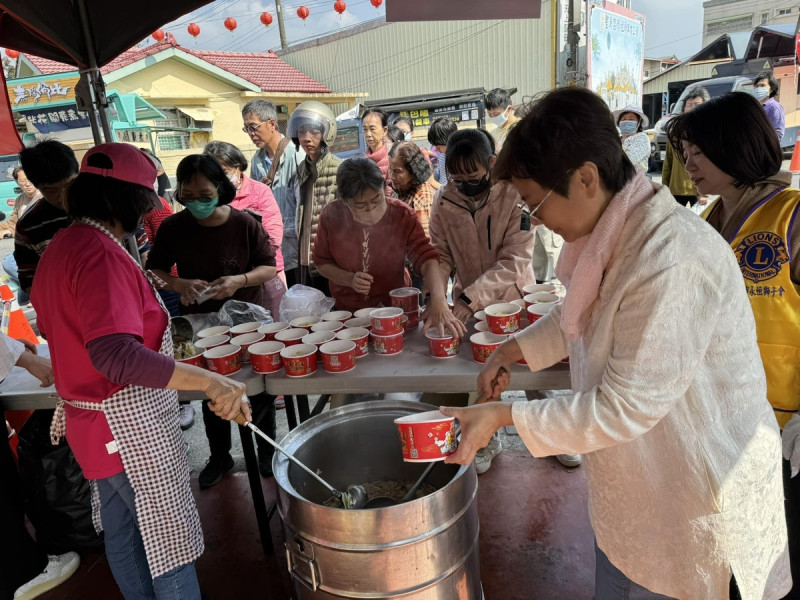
(128,164)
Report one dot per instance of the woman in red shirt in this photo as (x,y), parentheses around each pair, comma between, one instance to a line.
(111,351)
(362,242)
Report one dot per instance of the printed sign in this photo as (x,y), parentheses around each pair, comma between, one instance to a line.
(58,89)
(54,119)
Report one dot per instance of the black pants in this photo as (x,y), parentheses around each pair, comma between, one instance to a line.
(218,431)
(682,200)
(292,277)
(312,278)
(791,494)
(20,558)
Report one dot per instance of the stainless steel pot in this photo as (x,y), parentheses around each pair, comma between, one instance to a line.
(425,549)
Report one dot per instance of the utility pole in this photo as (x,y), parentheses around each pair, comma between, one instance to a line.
(281,27)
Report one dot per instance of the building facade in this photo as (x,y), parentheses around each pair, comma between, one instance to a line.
(728,16)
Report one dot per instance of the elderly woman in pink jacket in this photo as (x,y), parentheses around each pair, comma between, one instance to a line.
(669,403)
(256,197)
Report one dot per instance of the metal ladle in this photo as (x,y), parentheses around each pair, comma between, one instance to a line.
(355,496)
(384,501)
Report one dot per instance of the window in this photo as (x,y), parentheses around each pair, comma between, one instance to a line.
(764,18)
(779,12)
(175,118)
(730,24)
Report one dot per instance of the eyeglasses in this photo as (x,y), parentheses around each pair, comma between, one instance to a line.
(532,214)
(253,127)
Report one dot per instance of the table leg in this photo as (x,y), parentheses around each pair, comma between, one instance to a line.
(302,408)
(320,405)
(291,415)
(254,478)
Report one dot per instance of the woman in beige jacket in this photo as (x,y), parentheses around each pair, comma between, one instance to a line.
(480,230)
(682,451)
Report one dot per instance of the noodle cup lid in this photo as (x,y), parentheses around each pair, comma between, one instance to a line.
(299,351)
(214,340)
(337,315)
(211,331)
(319,337)
(430,416)
(247,338)
(264,348)
(433,334)
(386,313)
(480,315)
(353,333)
(222,351)
(404,292)
(303,322)
(274,327)
(338,347)
(291,334)
(504,309)
(362,313)
(245,327)
(487,338)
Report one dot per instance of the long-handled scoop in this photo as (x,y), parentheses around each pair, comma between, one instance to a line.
(483,398)
(355,496)
(384,501)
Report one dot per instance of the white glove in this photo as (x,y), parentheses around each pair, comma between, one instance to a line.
(791,443)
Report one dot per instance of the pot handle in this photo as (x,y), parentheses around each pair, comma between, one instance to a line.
(308,572)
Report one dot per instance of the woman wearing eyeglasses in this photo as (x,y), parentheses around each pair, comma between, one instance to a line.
(669,405)
(480,230)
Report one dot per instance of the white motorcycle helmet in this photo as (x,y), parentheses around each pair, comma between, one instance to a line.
(313,114)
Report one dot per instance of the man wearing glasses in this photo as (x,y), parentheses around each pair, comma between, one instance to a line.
(275,163)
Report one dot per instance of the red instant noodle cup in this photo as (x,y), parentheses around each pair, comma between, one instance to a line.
(406,298)
(212,331)
(542,298)
(327,326)
(427,436)
(481,326)
(363,313)
(359,336)
(319,337)
(197,360)
(337,315)
(246,340)
(503,318)
(442,346)
(537,311)
(225,360)
(539,287)
(245,328)
(299,360)
(358,322)
(207,343)
(291,337)
(387,321)
(480,315)
(270,329)
(483,344)
(338,356)
(386,345)
(305,322)
(411,320)
(265,357)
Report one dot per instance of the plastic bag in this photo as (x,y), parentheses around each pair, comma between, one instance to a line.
(304,301)
(236,312)
(57,496)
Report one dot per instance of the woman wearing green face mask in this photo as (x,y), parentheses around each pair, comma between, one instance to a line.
(212,245)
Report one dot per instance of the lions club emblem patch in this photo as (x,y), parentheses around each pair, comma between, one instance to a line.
(761,256)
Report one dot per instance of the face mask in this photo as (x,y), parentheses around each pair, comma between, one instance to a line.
(234,179)
(499,120)
(760,92)
(202,209)
(407,137)
(474,187)
(628,127)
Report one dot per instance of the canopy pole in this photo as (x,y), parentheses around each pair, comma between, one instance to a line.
(99,100)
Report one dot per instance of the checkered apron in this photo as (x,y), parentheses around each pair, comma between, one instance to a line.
(146,428)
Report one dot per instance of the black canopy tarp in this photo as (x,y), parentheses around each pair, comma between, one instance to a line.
(85,33)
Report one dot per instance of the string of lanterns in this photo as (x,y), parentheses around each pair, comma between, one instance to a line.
(266,19)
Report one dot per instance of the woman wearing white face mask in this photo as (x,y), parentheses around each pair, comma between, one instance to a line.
(765,88)
(363,240)
(630,122)
(254,196)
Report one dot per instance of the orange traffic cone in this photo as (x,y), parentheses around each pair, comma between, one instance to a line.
(13,322)
(794,166)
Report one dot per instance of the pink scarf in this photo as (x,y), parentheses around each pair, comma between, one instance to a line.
(582,264)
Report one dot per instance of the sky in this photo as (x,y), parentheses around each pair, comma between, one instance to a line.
(672,27)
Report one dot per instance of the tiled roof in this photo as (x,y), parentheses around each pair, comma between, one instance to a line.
(263,69)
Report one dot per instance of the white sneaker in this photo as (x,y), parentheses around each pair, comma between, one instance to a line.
(484,456)
(58,570)
(569,460)
(186,416)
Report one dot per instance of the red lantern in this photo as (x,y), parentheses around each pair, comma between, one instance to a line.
(339,6)
(376,3)
(12,54)
(158,35)
(193,30)
(230,24)
(303,13)
(266,19)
